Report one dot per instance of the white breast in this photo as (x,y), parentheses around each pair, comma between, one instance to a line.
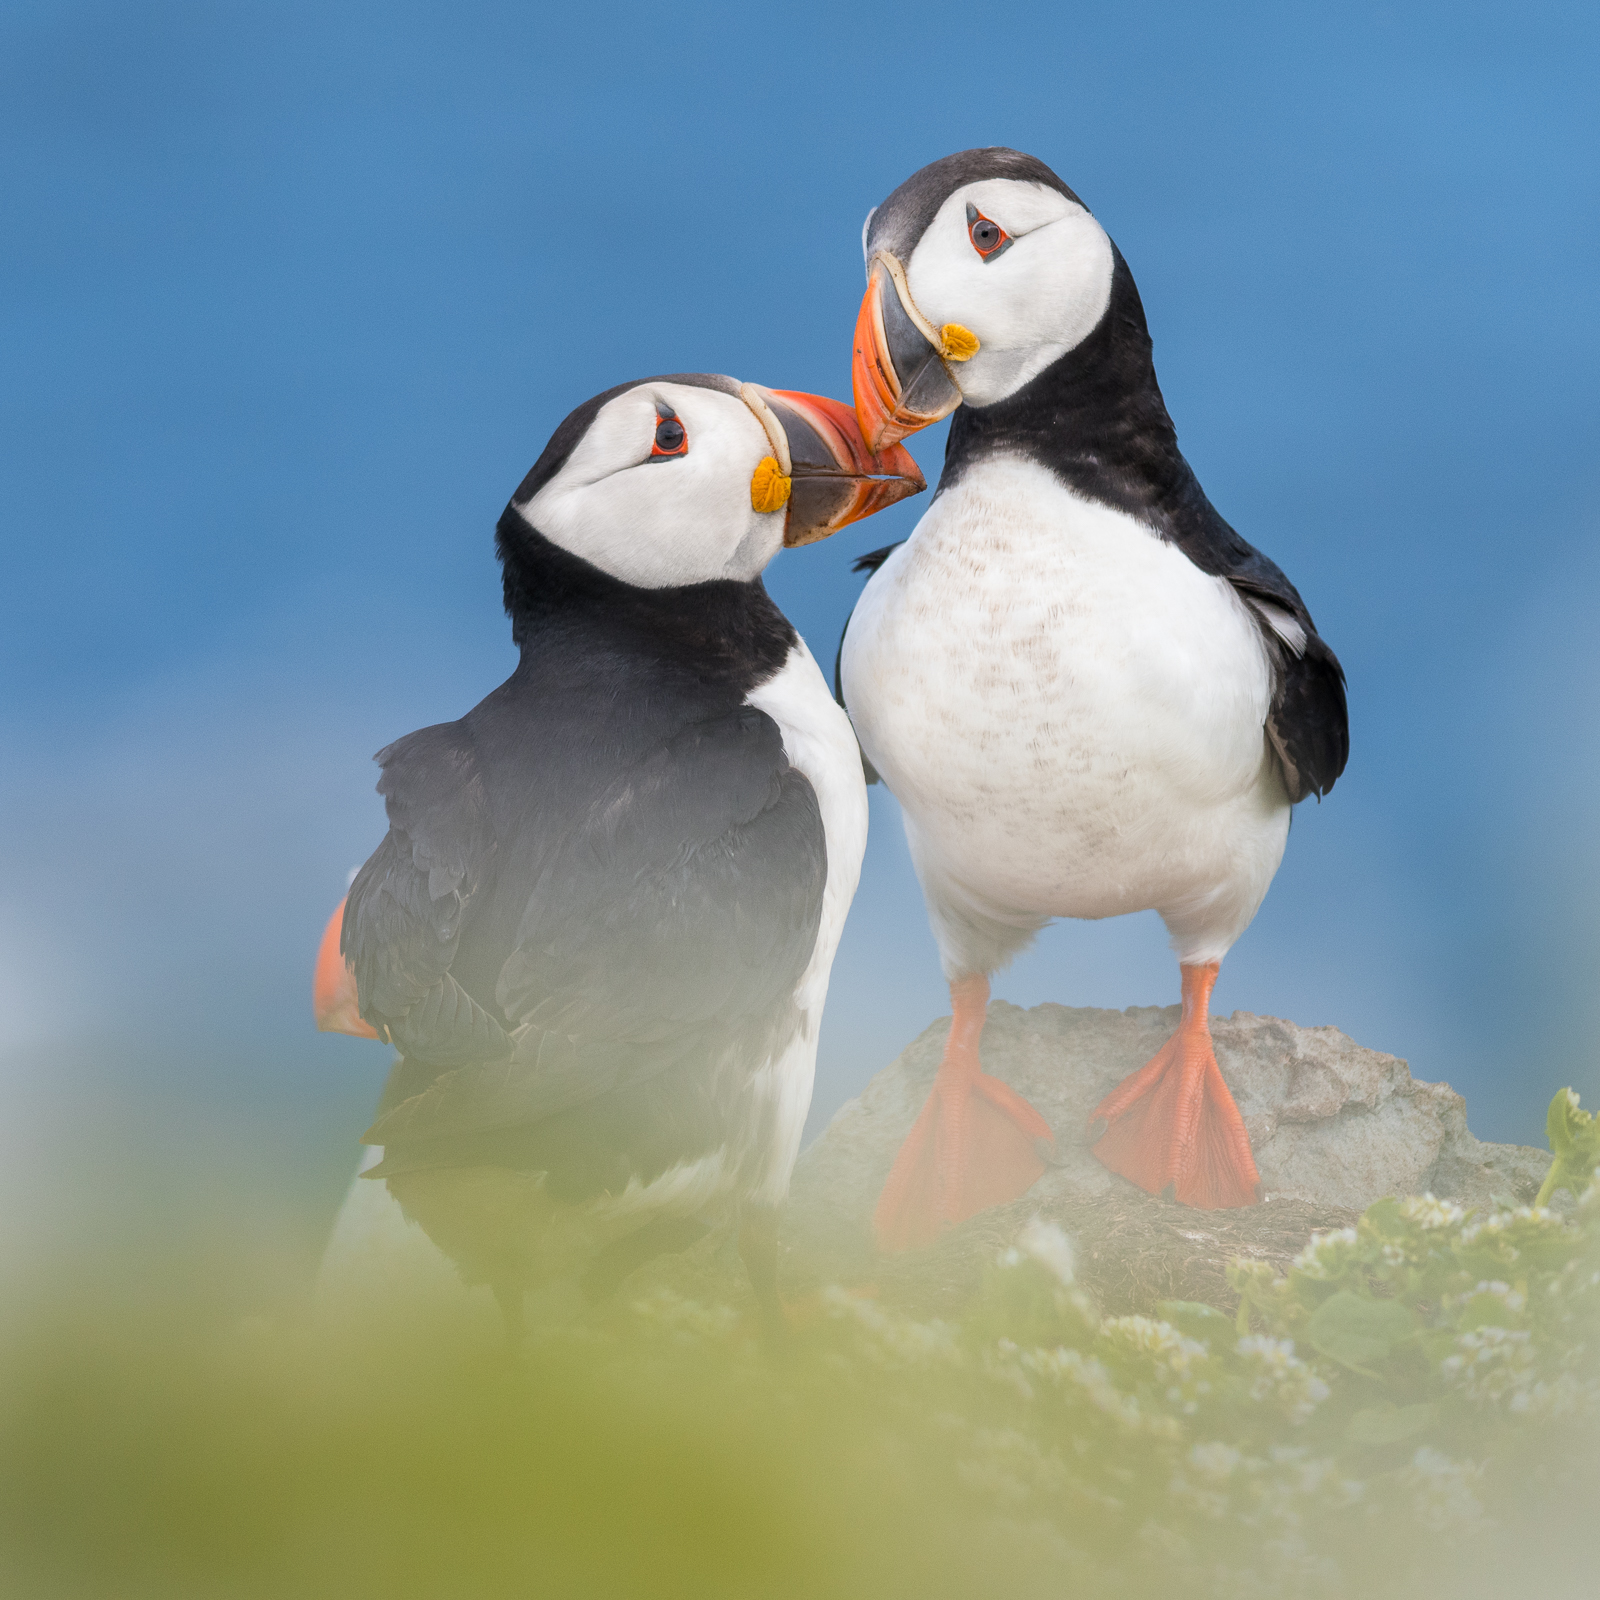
(818,739)
(1069,711)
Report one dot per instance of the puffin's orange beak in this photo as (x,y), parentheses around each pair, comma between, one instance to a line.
(899,373)
(836,479)
(333,986)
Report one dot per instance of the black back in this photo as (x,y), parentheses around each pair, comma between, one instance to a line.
(610,853)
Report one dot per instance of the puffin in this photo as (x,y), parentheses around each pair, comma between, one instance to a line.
(600,928)
(1088,693)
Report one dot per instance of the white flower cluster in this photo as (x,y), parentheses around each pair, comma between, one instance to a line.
(1328,1254)
(1010,1468)
(1443,1492)
(1313,1478)
(1277,1490)
(1077,1375)
(688,1319)
(1158,1340)
(1498,1367)
(895,1341)
(1512,1301)
(1207,1486)
(1182,1362)
(1523,1220)
(1431,1214)
(1279,1375)
(1494,1366)
(1045,1243)
(1215,1462)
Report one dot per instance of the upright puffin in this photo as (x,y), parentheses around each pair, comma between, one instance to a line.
(601,925)
(1089,695)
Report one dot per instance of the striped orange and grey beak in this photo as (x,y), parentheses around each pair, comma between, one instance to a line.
(820,468)
(900,367)
(333,986)
(837,480)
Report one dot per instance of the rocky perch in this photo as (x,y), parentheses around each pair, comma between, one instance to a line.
(1334,1127)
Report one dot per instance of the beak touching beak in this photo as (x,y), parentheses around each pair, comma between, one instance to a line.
(834,478)
(900,368)
(333,986)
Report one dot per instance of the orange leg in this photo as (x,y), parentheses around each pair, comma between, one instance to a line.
(976,1142)
(1172,1125)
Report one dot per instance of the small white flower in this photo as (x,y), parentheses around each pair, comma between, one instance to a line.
(1072,1371)
(1278,1374)
(687,1318)
(1513,1300)
(1158,1340)
(1178,1360)
(1442,1490)
(895,1341)
(1009,1467)
(1045,1243)
(1524,1219)
(1429,1213)
(1327,1254)
(1494,1366)
(1214,1462)
(1313,1478)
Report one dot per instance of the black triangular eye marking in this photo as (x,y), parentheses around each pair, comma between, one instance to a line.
(671,440)
(989,239)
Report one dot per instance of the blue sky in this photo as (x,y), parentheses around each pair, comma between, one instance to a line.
(293,295)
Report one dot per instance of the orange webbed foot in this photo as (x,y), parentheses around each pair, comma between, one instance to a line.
(1173,1125)
(976,1142)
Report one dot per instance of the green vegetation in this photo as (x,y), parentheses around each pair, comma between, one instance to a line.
(1411,1410)
(1575,1144)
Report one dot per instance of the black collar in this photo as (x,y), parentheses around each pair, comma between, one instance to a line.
(720,632)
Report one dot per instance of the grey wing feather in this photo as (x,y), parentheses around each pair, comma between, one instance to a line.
(679,916)
(402,920)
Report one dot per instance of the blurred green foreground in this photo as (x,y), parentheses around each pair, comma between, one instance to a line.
(1415,1410)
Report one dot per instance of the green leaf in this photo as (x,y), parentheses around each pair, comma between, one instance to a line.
(1385,1219)
(1196,1320)
(1574,1137)
(1391,1424)
(1357,1332)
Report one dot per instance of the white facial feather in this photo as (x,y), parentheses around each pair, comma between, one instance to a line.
(663,523)
(1028,306)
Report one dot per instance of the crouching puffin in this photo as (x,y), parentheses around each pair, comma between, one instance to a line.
(600,928)
(1089,695)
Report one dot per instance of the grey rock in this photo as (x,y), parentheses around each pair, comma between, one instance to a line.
(1334,1127)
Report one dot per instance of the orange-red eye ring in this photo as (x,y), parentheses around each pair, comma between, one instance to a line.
(998,247)
(681,448)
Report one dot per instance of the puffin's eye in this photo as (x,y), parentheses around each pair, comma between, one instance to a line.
(670,438)
(989,239)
